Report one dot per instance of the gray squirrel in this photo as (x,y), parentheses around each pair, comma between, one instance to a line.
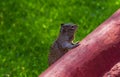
(63,43)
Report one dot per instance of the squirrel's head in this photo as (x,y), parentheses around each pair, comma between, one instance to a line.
(68,28)
(67,31)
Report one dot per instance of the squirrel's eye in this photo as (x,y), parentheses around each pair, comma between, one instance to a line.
(72,26)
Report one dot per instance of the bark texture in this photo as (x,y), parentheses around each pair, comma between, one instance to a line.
(114,72)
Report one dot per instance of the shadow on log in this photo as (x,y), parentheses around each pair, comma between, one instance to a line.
(97,54)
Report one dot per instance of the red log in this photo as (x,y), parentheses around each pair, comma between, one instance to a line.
(98,52)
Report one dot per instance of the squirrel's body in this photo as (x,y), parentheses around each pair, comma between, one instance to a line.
(63,42)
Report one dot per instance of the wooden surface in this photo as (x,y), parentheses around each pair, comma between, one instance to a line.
(98,52)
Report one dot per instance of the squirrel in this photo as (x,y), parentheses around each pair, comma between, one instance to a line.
(63,43)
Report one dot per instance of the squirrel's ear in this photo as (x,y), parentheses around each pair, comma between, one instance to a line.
(62,24)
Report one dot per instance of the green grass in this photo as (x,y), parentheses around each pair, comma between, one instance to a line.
(29,27)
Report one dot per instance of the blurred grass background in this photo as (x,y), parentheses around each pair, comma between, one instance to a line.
(29,27)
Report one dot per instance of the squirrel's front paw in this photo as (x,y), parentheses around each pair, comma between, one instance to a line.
(76,45)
